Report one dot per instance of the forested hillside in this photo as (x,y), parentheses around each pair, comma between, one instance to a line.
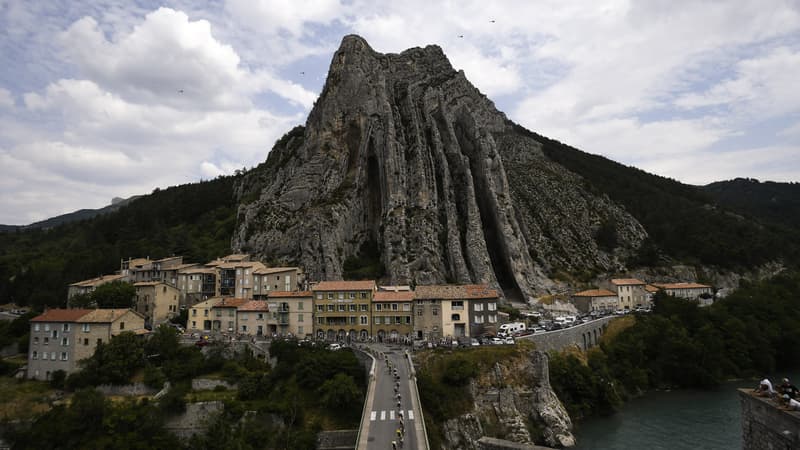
(193,220)
(778,202)
(683,222)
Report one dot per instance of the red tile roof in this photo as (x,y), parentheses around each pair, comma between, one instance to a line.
(104,315)
(344,285)
(255,305)
(61,315)
(626,281)
(269,270)
(97,281)
(595,293)
(391,296)
(286,294)
(230,302)
(462,291)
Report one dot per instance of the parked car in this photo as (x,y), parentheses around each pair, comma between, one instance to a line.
(335,346)
(497,341)
(474,342)
(509,340)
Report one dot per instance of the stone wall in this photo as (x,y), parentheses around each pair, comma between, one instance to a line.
(585,336)
(126,390)
(765,426)
(207,384)
(194,420)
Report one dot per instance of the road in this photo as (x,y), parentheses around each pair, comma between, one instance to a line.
(384,411)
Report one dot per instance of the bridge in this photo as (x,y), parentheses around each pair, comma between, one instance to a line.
(392,398)
(585,336)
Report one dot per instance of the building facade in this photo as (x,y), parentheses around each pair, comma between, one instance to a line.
(88,286)
(268,279)
(342,309)
(157,301)
(253,317)
(631,292)
(685,290)
(60,338)
(292,313)
(392,315)
(453,311)
(595,300)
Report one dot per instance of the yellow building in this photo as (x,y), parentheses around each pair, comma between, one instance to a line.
(156,301)
(342,309)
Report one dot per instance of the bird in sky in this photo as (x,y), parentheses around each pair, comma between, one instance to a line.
(180,91)
(302,73)
(492,21)
(461,35)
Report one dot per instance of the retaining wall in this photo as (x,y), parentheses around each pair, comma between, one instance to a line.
(765,426)
(585,336)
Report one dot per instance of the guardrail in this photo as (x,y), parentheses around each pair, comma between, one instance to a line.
(367,398)
(421,417)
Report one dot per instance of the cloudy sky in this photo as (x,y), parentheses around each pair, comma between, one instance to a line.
(105,98)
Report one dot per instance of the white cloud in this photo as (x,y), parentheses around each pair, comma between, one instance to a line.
(273,16)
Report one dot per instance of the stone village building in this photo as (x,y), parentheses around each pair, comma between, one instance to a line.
(60,338)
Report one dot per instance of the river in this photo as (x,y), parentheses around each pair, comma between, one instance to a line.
(674,420)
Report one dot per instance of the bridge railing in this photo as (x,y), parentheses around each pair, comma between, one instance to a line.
(420,416)
(366,409)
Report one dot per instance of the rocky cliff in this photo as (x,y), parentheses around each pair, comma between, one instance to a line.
(514,402)
(402,153)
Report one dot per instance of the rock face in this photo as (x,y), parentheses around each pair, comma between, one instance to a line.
(403,152)
(507,399)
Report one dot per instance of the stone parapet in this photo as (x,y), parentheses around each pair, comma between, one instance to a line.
(766,425)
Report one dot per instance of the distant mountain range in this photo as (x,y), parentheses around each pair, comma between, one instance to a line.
(75,216)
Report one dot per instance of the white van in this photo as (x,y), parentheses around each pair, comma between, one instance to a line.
(509,329)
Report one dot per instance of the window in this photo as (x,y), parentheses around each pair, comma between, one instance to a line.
(36,339)
(122,325)
(492,318)
(352,320)
(435,311)
(319,295)
(36,327)
(341,296)
(52,356)
(479,318)
(47,327)
(55,334)
(300,330)
(86,328)
(64,356)
(378,307)
(491,306)
(364,320)
(352,295)
(46,340)
(260,316)
(99,341)
(194,324)
(406,306)
(363,295)
(299,317)
(244,328)
(230,312)
(66,327)
(341,308)
(478,307)
(219,313)
(331,308)
(330,295)
(34,355)
(320,320)
(364,307)
(398,319)
(352,308)
(394,306)
(205,313)
(65,342)
(85,341)
(408,320)
(377,320)
(457,305)
(320,308)
(230,326)
(299,306)
(455,317)
(419,312)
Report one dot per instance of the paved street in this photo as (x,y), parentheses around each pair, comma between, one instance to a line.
(384,414)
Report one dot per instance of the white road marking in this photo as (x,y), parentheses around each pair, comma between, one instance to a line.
(383,415)
(410,415)
(391,415)
(372,415)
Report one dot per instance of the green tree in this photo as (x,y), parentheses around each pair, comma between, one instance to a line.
(340,392)
(117,294)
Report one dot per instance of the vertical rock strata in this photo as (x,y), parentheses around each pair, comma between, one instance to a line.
(401,150)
